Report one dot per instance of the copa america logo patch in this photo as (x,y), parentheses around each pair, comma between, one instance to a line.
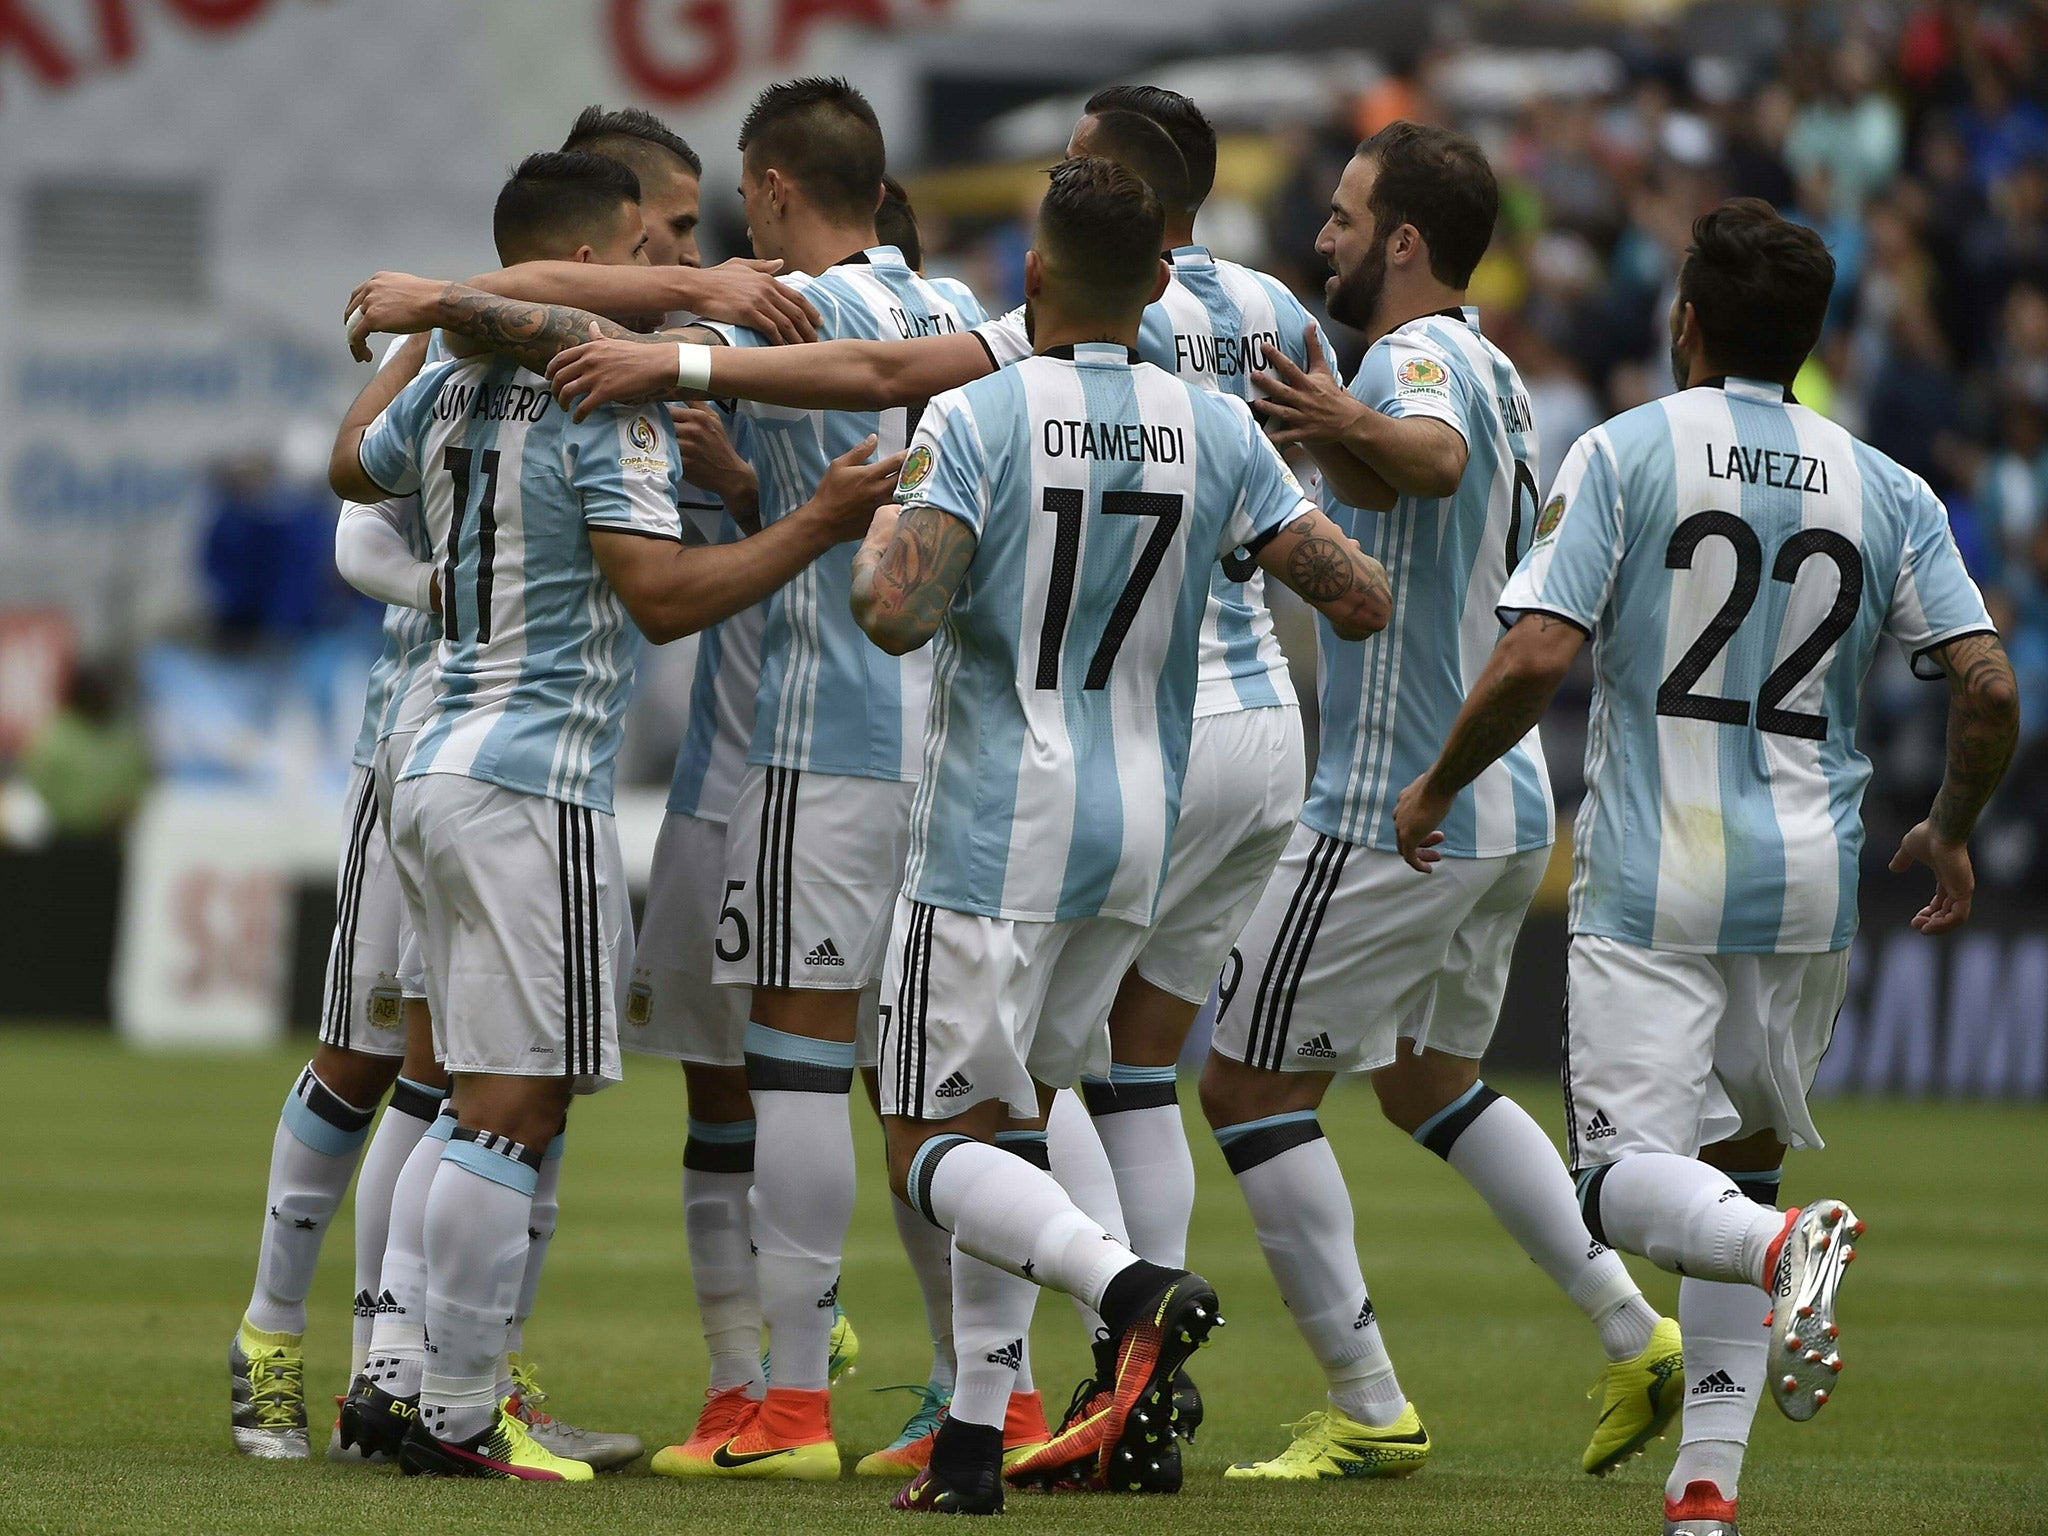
(1553,514)
(917,469)
(1422,373)
(642,433)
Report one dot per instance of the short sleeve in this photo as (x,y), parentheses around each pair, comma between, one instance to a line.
(626,470)
(1293,324)
(389,452)
(1570,567)
(945,468)
(1933,600)
(1006,338)
(1404,377)
(1272,498)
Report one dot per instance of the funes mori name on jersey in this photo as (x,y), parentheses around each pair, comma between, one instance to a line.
(501,402)
(1128,442)
(909,325)
(1767,466)
(1224,357)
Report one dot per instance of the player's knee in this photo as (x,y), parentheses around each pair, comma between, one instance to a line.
(355,1077)
(717,1093)
(1233,1093)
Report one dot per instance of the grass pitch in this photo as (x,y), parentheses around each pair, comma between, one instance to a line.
(130,1198)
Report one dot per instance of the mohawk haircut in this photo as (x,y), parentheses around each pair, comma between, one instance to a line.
(631,134)
(1759,286)
(555,202)
(1145,149)
(821,133)
(1099,232)
(1192,133)
(896,224)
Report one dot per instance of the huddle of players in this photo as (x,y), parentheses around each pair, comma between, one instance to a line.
(1096,809)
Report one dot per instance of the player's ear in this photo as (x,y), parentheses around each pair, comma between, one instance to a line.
(1034,274)
(1406,246)
(583,253)
(1160,279)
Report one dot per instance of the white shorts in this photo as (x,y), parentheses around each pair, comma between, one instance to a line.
(672,1008)
(1351,951)
(524,925)
(389,757)
(362,1002)
(813,862)
(978,1008)
(1238,807)
(1672,1052)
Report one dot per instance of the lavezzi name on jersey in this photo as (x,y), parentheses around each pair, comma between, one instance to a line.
(1126,442)
(1767,466)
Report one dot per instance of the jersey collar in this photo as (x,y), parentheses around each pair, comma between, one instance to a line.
(873,256)
(1190,256)
(1750,389)
(1093,352)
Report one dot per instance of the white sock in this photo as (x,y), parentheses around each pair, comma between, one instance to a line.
(1137,1115)
(718,1173)
(398,1334)
(405,1120)
(540,1233)
(1681,1215)
(319,1138)
(1726,1344)
(1082,1168)
(1504,1155)
(991,1330)
(930,1252)
(1003,1210)
(1302,1214)
(803,1194)
(476,1256)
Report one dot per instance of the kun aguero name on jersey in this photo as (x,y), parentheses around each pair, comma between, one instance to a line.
(501,402)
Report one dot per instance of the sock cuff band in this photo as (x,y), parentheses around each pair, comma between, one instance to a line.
(720,1146)
(1589,1184)
(1440,1132)
(556,1148)
(444,1123)
(924,1165)
(778,1062)
(1029,1145)
(1253,1142)
(417,1099)
(322,1120)
(497,1158)
(724,1133)
(1121,1072)
(1760,1187)
(762,1041)
(1116,1096)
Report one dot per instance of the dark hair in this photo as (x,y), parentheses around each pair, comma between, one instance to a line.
(896,223)
(1144,148)
(1191,132)
(631,134)
(822,134)
(1759,285)
(1101,227)
(559,197)
(1438,181)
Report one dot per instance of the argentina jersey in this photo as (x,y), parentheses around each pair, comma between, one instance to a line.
(1101,490)
(728,670)
(1735,557)
(829,699)
(537,653)
(1213,326)
(1388,704)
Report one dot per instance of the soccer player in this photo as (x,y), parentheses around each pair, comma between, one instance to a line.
(1057,525)
(1734,558)
(501,819)
(1351,962)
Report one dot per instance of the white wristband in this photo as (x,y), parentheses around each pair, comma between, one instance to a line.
(693,367)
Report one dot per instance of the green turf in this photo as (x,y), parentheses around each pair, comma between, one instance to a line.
(129,1204)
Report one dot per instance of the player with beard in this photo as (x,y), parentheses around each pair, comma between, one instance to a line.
(1353,962)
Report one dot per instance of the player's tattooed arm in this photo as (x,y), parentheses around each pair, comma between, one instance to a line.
(529,334)
(1520,679)
(1983,729)
(906,573)
(1316,559)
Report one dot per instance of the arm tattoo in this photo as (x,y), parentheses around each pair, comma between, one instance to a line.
(1983,729)
(529,334)
(1319,569)
(922,568)
(1496,716)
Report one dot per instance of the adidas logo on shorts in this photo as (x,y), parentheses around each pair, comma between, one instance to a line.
(1720,1384)
(1010,1356)
(826,953)
(1599,1128)
(954,1087)
(1318,1049)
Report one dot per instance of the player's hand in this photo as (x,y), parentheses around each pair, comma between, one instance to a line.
(853,488)
(743,291)
(602,372)
(709,458)
(394,303)
(1303,405)
(1417,815)
(1955,882)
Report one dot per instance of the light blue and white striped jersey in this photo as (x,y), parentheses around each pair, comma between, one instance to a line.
(830,700)
(713,754)
(410,636)
(1101,490)
(1388,704)
(1735,557)
(537,654)
(1213,327)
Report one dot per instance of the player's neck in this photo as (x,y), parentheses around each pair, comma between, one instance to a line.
(815,248)
(1050,329)
(1179,234)
(1411,302)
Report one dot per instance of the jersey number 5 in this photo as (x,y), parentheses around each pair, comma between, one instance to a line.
(461,464)
(1068,506)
